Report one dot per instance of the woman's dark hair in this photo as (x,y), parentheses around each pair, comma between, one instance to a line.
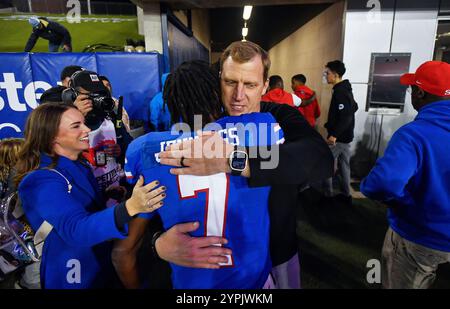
(40,132)
(193,89)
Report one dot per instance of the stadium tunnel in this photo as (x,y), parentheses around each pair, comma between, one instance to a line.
(377,40)
(303,35)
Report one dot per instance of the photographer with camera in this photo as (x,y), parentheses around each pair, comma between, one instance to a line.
(108,139)
(125,118)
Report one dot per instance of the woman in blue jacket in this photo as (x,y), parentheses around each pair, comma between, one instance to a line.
(59,194)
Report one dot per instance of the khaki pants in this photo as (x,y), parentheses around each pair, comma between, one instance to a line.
(407,265)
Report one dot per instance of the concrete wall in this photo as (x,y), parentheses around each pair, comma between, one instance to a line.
(410,28)
(200,25)
(351,31)
(149,25)
(307,50)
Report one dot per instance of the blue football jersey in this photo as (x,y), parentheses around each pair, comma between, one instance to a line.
(223,204)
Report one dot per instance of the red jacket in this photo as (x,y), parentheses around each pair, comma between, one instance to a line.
(278,95)
(311,111)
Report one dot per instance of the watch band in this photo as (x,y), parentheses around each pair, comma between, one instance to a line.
(236,172)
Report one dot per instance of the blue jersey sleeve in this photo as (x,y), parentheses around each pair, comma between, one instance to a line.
(132,164)
(255,129)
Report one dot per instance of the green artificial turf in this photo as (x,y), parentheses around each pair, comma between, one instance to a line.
(14,33)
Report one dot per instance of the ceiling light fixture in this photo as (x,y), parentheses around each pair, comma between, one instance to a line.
(247,12)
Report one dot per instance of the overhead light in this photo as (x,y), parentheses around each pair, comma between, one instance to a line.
(244,32)
(446,34)
(247,12)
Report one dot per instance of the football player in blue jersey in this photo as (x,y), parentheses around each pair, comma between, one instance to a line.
(304,158)
(223,205)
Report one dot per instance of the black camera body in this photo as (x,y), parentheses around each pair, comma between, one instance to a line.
(102,108)
(102,101)
(103,104)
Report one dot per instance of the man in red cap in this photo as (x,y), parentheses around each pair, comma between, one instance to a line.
(413,179)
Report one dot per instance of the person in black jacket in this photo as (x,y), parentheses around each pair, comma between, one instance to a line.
(340,124)
(56,34)
(303,158)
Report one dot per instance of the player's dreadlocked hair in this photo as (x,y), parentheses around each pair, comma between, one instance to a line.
(193,89)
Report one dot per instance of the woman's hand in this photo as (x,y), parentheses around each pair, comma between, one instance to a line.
(145,198)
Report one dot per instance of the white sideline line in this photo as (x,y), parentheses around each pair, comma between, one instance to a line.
(63,18)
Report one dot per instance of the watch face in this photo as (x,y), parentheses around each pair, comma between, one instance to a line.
(239,160)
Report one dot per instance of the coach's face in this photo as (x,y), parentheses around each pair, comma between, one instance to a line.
(242,85)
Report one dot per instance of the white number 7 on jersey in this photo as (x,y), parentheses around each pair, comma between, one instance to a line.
(216,188)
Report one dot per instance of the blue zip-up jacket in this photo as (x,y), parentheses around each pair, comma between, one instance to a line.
(159,115)
(76,253)
(413,177)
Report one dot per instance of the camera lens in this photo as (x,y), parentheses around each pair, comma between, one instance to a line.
(102,102)
(108,104)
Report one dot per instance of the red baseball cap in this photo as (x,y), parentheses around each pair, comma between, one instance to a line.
(431,76)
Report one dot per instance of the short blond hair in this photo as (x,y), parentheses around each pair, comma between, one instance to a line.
(244,51)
